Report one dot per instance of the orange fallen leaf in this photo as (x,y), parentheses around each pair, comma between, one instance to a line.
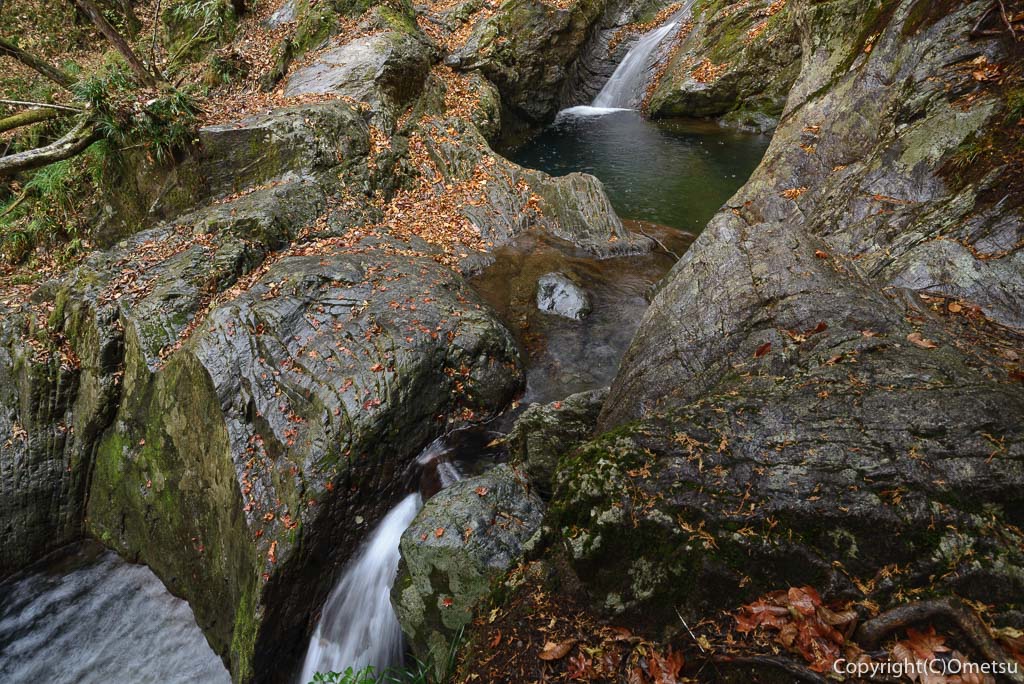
(556,651)
(917,340)
(762,350)
(439,532)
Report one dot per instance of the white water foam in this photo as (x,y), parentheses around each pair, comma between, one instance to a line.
(358,626)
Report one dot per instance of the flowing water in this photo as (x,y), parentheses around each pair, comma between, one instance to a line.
(89,617)
(94,618)
(358,627)
(626,87)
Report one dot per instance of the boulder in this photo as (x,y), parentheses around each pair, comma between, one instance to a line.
(559,295)
(384,70)
(465,538)
(251,441)
(525,49)
(545,432)
(735,59)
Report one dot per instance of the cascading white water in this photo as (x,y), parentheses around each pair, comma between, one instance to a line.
(624,90)
(358,626)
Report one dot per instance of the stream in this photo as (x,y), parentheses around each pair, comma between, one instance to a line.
(88,616)
(84,615)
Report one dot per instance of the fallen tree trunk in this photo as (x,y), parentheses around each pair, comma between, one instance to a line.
(27,118)
(74,142)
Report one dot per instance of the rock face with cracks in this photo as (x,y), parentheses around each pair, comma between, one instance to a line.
(223,393)
(787,398)
(466,537)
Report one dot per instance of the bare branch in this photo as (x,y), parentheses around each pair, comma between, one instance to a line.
(117,40)
(74,142)
(41,66)
(44,105)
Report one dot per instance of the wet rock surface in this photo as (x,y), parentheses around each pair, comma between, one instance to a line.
(732,59)
(782,398)
(465,538)
(557,294)
(545,432)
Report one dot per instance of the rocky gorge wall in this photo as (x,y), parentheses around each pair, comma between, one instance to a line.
(825,390)
(791,391)
(235,393)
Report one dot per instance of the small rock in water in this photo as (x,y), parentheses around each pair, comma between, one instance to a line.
(558,295)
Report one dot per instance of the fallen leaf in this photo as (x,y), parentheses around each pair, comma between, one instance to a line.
(762,350)
(556,651)
(923,342)
(821,254)
(439,532)
(481,491)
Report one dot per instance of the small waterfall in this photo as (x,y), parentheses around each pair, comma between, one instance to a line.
(624,90)
(358,626)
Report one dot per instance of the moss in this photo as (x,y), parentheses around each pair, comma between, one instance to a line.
(163,479)
(244,633)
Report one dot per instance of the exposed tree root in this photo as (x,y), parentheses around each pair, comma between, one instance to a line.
(870,634)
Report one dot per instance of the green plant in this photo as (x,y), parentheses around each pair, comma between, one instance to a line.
(195,22)
(161,125)
(1015,106)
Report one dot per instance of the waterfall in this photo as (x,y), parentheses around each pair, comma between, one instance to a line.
(624,90)
(358,626)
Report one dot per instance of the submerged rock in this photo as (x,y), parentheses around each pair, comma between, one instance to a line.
(558,295)
(465,537)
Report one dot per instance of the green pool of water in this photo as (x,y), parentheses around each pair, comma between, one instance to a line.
(677,173)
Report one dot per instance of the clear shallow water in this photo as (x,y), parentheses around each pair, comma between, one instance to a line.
(677,173)
(566,356)
(90,617)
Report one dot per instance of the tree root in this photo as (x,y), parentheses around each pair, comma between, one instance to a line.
(870,634)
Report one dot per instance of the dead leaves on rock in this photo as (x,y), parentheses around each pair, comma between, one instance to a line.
(916,339)
(556,651)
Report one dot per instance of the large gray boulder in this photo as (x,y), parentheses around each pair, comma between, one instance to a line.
(465,538)
(785,415)
(384,70)
(558,295)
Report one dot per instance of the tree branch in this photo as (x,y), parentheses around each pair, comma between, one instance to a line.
(39,65)
(74,142)
(27,118)
(43,105)
(144,75)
